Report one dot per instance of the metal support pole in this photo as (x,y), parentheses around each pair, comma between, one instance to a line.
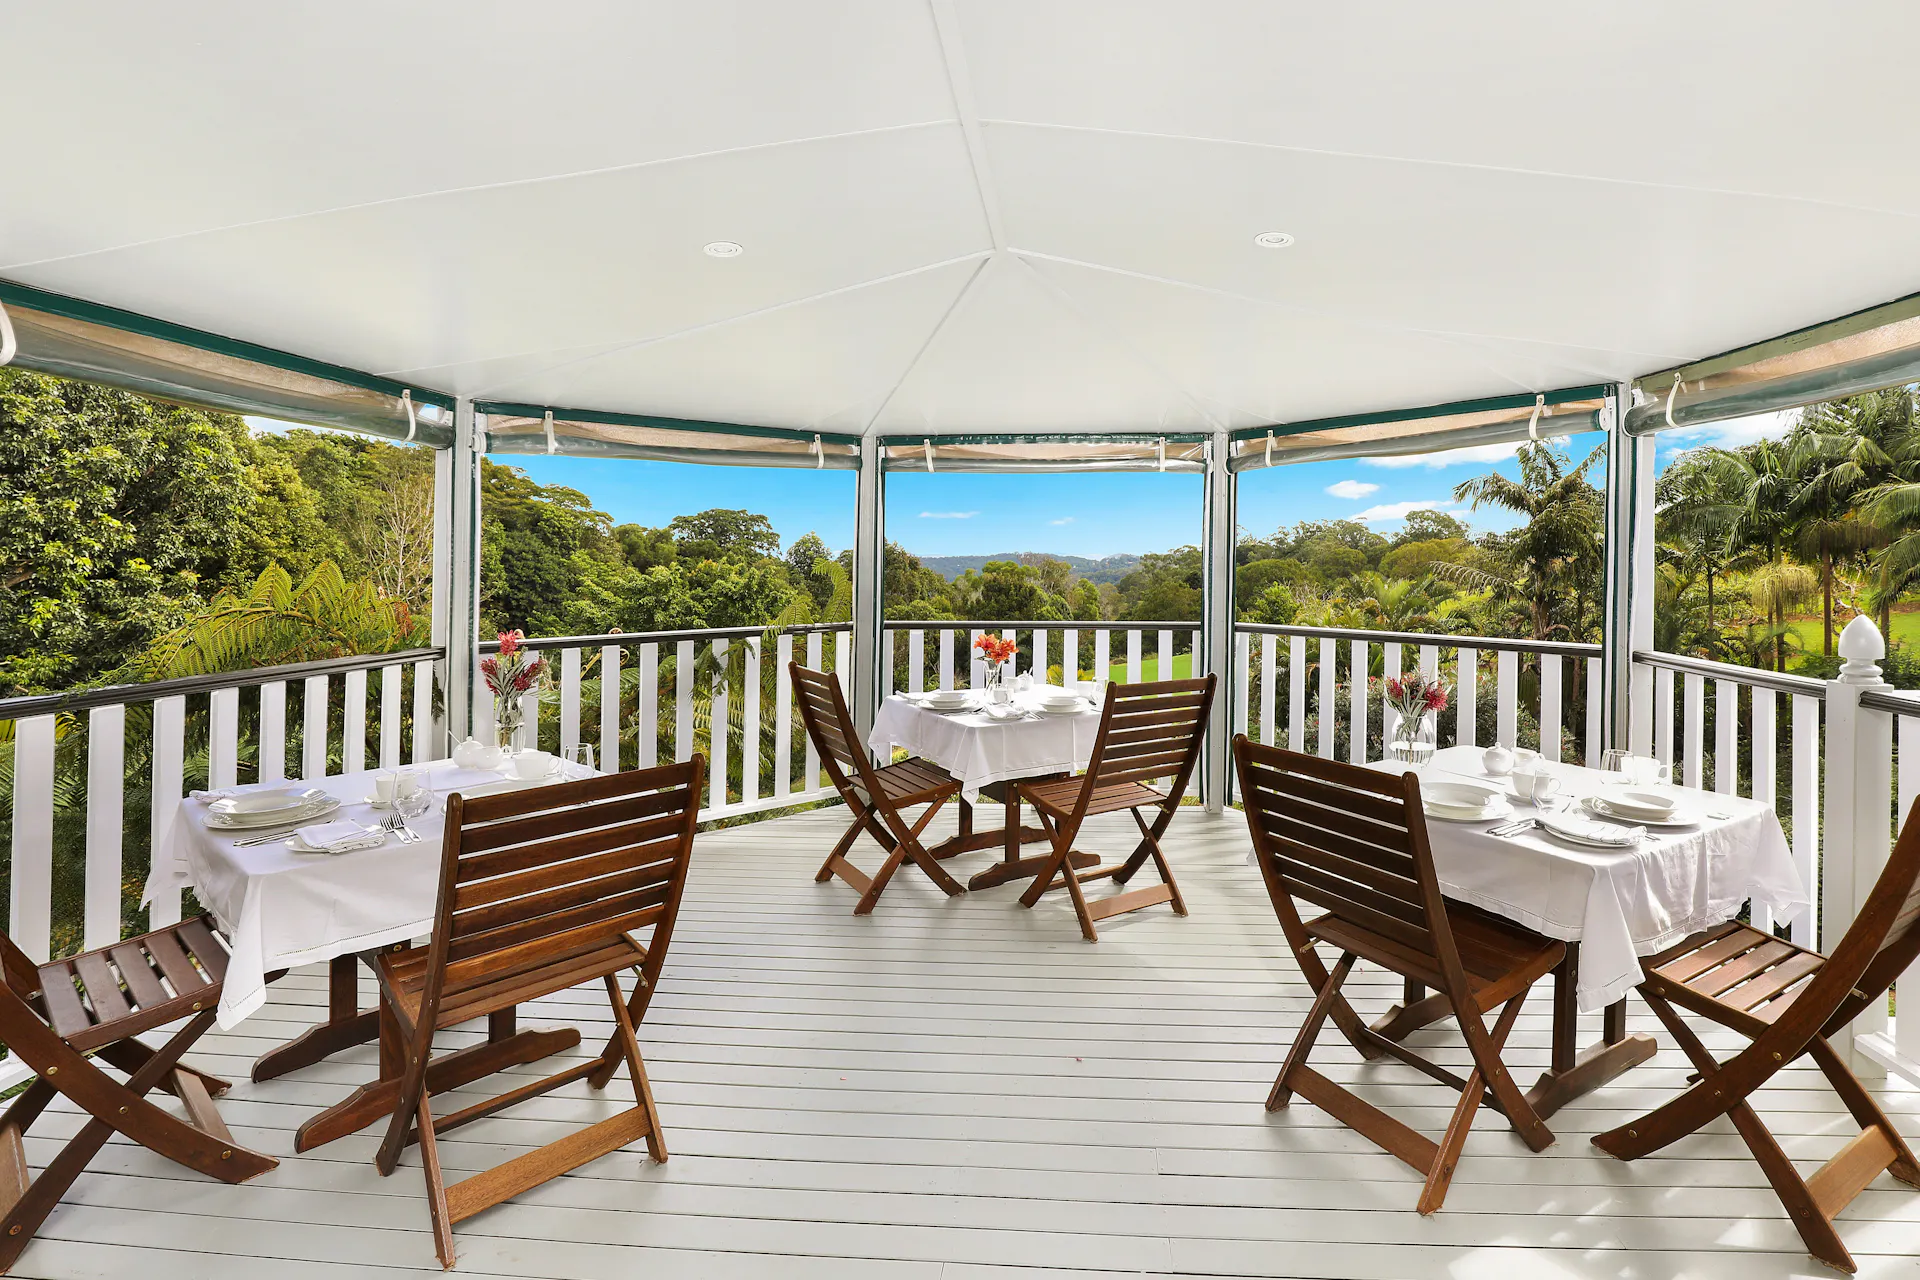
(456,566)
(869,577)
(1627,620)
(1217,615)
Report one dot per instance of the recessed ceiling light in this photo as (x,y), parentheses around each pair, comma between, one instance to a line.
(1273,239)
(724,249)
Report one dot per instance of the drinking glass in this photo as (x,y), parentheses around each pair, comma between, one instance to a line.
(580,754)
(1614,760)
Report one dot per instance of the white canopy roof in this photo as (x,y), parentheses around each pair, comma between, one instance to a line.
(969,215)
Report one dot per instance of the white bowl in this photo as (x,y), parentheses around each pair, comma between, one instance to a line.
(1634,800)
(1458,795)
(529,765)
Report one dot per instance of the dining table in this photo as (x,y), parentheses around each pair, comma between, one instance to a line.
(280,907)
(990,746)
(1701,867)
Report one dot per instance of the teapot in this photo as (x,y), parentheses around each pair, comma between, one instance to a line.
(1497,760)
(475,754)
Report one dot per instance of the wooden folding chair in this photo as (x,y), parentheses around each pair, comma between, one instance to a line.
(1787,1001)
(64,1019)
(540,891)
(874,797)
(1148,733)
(1353,842)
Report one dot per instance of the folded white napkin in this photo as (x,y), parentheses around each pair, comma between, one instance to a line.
(1588,829)
(340,837)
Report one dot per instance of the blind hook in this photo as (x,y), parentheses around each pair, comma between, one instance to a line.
(547,424)
(1671,393)
(928,445)
(1533,423)
(7,344)
(406,402)
(819,454)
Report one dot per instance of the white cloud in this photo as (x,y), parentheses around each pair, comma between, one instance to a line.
(1734,432)
(948,515)
(1062,520)
(1449,457)
(1354,489)
(1387,512)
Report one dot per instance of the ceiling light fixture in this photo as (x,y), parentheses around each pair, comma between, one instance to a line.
(724,249)
(1273,239)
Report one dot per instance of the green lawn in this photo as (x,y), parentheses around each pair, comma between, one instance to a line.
(1906,631)
(1150,668)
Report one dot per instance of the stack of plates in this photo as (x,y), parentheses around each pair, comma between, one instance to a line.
(1063,704)
(1640,805)
(949,699)
(277,807)
(1588,834)
(1463,802)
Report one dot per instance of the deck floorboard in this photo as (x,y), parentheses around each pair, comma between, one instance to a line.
(964,1090)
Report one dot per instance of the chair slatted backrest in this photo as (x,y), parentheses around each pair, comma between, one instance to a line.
(534,878)
(823,709)
(1884,939)
(1351,841)
(1151,731)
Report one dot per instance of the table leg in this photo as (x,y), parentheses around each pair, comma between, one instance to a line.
(346,1025)
(1575,1071)
(1012,835)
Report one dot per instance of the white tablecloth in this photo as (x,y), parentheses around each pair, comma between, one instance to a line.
(279,908)
(1617,904)
(978,749)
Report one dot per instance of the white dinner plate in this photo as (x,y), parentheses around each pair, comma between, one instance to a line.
(1079,710)
(280,800)
(274,818)
(1495,809)
(1600,808)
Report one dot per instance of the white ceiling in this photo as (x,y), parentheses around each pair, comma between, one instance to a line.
(969,214)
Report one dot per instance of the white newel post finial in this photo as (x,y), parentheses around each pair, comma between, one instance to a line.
(1857,835)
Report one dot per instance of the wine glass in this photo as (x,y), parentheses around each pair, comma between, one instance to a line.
(1615,760)
(580,757)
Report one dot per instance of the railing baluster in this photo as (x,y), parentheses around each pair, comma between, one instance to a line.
(30,914)
(683,701)
(1038,667)
(1550,706)
(353,724)
(646,712)
(1268,679)
(1103,655)
(1133,657)
(719,730)
(427,741)
(1663,715)
(1763,748)
(1726,737)
(273,731)
(1163,656)
(1507,698)
(390,681)
(1329,705)
(106,808)
(843,658)
(529,721)
(1466,698)
(946,664)
(1806,812)
(811,778)
(223,737)
(569,699)
(783,717)
(1430,661)
(1692,729)
(608,757)
(1906,1027)
(1069,657)
(916,661)
(1296,693)
(750,723)
(977,671)
(1591,755)
(886,662)
(169,759)
(1242,687)
(1358,700)
(1389,670)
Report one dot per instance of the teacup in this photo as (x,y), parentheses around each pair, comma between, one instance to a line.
(1535,786)
(529,765)
(385,787)
(1525,760)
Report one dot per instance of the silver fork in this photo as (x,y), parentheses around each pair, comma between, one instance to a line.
(398,826)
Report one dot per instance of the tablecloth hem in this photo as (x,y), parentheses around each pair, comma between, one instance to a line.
(248,1004)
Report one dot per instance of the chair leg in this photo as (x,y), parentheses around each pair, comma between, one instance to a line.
(1344,1015)
(1487,1067)
(437,1212)
(1678,1116)
(1138,858)
(642,1089)
(1866,1112)
(1325,997)
(416,1045)
(840,850)
(1487,1048)
(1152,842)
(1055,862)
(926,861)
(880,879)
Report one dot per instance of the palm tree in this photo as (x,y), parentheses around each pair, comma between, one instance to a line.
(1757,484)
(1556,554)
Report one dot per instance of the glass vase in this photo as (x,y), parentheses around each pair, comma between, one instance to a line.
(1413,740)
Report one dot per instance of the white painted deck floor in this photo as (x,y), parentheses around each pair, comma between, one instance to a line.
(964,1090)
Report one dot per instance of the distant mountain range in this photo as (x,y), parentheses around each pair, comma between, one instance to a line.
(1106,569)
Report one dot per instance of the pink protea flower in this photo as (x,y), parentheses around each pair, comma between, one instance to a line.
(510,642)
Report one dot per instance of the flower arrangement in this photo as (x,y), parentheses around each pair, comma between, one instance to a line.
(998,651)
(514,671)
(1414,697)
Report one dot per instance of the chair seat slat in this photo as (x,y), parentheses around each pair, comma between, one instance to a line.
(131,959)
(102,987)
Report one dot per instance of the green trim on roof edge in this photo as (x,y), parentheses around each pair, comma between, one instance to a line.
(1519,400)
(60,304)
(613,419)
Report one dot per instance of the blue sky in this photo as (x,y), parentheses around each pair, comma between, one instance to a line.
(1088,515)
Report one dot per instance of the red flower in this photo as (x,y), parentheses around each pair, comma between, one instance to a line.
(510,642)
(1436,697)
(1395,689)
